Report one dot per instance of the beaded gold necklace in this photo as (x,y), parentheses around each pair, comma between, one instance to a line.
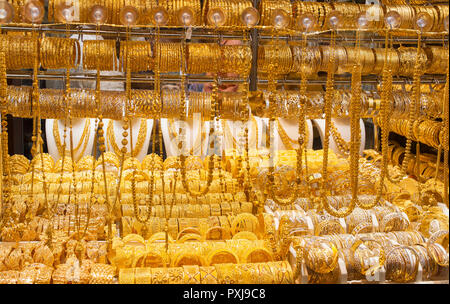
(84,139)
(302,135)
(142,134)
(102,148)
(286,140)
(384,112)
(157,110)
(324,191)
(414,109)
(270,135)
(246,180)
(38,134)
(355,113)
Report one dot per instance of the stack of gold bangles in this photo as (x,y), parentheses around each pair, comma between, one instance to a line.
(426,131)
(209,228)
(254,273)
(139,53)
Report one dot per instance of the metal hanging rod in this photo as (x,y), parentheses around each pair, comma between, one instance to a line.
(201,32)
(120,33)
(367,80)
(174,78)
(136,79)
(372,39)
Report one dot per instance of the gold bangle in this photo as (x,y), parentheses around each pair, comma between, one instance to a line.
(191,274)
(127,276)
(208,275)
(143,275)
(226,273)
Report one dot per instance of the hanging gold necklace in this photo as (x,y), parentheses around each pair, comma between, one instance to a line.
(287,141)
(329,92)
(84,139)
(342,145)
(139,143)
(4,184)
(199,139)
(182,157)
(231,141)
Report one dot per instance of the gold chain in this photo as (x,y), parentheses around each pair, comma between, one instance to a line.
(139,143)
(228,134)
(285,137)
(343,146)
(199,139)
(84,139)
(414,106)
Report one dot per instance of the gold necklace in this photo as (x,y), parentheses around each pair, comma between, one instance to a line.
(140,139)
(200,138)
(84,139)
(228,134)
(342,145)
(287,141)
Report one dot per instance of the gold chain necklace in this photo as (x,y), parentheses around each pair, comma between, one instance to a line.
(287,141)
(342,145)
(84,139)
(139,143)
(228,134)
(200,138)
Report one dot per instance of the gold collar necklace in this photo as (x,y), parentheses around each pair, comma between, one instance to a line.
(84,139)
(287,141)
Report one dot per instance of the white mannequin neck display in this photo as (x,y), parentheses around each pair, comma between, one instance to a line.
(196,135)
(142,131)
(343,127)
(83,133)
(231,130)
